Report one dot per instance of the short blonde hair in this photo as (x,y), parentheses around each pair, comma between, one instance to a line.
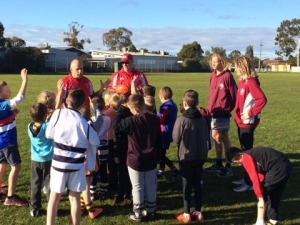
(149,103)
(47,98)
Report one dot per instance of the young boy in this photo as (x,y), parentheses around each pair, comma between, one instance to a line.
(9,151)
(269,171)
(41,156)
(190,133)
(167,114)
(144,141)
(71,135)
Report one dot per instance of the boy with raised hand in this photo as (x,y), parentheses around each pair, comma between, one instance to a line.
(191,136)
(72,135)
(9,151)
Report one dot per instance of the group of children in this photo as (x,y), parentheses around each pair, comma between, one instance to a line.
(118,142)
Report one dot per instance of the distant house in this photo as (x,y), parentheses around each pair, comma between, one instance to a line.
(58,59)
(146,62)
(277,65)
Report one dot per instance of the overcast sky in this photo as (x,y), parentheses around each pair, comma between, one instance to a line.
(156,24)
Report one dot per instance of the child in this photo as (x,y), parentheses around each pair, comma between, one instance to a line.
(167,114)
(190,134)
(221,102)
(101,123)
(249,103)
(47,98)
(150,104)
(269,171)
(9,150)
(71,135)
(41,156)
(91,166)
(120,154)
(143,147)
(112,104)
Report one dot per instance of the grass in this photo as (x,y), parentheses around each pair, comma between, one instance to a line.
(279,128)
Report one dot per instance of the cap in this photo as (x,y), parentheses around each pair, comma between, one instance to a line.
(126,58)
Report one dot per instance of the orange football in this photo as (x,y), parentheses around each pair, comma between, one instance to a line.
(122,89)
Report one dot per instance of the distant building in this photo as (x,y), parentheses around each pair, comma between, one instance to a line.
(146,62)
(277,65)
(58,59)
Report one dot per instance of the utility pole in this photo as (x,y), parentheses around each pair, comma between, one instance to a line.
(260,46)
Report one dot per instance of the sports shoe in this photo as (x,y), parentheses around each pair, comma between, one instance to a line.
(34,212)
(160,174)
(15,200)
(151,216)
(197,216)
(226,172)
(238,182)
(134,217)
(214,168)
(183,218)
(242,188)
(95,212)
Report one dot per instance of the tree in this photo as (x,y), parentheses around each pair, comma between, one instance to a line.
(71,36)
(132,48)
(2,39)
(116,39)
(249,52)
(190,51)
(219,50)
(14,42)
(288,35)
(234,54)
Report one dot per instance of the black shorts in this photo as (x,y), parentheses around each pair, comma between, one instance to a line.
(10,155)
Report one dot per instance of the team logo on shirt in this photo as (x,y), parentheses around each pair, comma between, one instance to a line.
(221,86)
(242,91)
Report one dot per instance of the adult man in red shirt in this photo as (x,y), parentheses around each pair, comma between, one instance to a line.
(128,76)
(75,79)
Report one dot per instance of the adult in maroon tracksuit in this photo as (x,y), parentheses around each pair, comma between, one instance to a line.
(221,102)
(269,171)
(250,101)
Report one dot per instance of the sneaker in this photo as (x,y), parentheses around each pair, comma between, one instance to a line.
(242,188)
(160,174)
(95,212)
(34,212)
(3,195)
(214,168)
(226,172)
(15,200)
(151,216)
(197,216)
(132,216)
(183,218)
(238,182)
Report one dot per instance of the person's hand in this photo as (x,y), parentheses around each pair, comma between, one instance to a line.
(24,74)
(261,203)
(245,115)
(104,86)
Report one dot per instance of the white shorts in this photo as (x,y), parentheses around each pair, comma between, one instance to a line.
(74,181)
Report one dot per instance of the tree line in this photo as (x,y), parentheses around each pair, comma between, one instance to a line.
(15,54)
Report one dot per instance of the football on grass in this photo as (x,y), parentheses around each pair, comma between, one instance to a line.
(122,89)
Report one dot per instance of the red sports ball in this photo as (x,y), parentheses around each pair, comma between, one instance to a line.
(122,89)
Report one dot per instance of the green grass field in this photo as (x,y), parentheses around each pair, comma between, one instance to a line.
(279,128)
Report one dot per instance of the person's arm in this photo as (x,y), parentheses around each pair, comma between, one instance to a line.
(59,95)
(21,94)
(133,89)
(260,212)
